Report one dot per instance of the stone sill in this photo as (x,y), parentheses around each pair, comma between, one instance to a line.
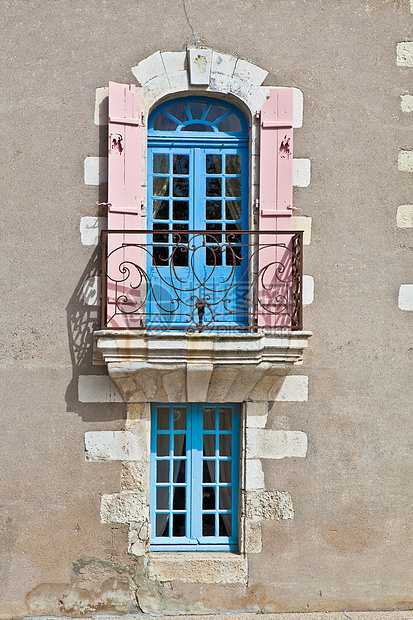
(192,367)
(198,567)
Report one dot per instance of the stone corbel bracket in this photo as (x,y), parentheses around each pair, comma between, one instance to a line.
(177,367)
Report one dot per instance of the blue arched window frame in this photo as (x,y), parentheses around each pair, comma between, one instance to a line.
(202,132)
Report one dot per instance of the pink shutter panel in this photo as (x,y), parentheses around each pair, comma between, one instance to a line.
(124,157)
(124,210)
(275,204)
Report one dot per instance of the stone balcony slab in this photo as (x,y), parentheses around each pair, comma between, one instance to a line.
(199,367)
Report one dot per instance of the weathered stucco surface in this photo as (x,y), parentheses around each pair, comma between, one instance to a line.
(348,546)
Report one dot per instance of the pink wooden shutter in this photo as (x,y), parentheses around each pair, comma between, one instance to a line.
(124,157)
(124,210)
(275,203)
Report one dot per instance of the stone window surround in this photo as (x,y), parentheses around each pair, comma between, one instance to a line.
(131,505)
(162,76)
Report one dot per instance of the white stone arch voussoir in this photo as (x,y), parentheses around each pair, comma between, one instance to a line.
(166,73)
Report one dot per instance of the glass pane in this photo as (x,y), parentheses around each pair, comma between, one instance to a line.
(225,445)
(213,210)
(209,419)
(213,164)
(162,414)
(233,164)
(179,238)
(180,256)
(214,237)
(233,256)
(225,498)
(225,471)
(181,164)
(179,471)
(213,186)
(179,445)
(181,187)
(162,525)
(208,525)
(161,186)
(213,258)
(209,445)
(225,528)
(208,471)
(160,256)
(162,498)
(160,162)
(208,498)
(162,471)
(233,209)
(225,419)
(162,445)
(215,111)
(197,127)
(160,210)
(180,210)
(233,186)
(230,124)
(160,238)
(163,123)
(178,528)
(178,501)
(179,416)
(178,111)
(197,109)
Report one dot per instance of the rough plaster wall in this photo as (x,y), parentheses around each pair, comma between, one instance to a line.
(347,547)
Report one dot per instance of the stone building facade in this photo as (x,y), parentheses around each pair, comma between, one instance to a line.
(322,480)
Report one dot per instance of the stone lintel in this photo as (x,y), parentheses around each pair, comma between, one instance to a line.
(183,367)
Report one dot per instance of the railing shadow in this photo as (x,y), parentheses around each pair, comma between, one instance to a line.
(82,320)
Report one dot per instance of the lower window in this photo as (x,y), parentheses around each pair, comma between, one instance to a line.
(194,477)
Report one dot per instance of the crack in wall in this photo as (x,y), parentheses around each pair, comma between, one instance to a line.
(195,35)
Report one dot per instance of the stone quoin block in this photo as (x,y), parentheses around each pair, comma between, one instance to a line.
(96,170)
(101,106)
(90,229)
(98,389)
(405,54)
(114,446)
(302,222)
(406,297)
(274,505)
(124,507)
(405,161)
(301,172)
(406,103)
(308,290)
(254,475)
(275,444)
(294,388)
(91,291)
(405,216)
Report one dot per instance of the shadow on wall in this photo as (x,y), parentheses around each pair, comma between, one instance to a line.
(82,320)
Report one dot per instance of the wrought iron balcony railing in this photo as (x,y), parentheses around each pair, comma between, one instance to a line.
(198,280)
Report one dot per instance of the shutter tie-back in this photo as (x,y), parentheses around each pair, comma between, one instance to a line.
(103,204)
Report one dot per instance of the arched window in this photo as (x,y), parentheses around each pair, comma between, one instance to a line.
(198,181)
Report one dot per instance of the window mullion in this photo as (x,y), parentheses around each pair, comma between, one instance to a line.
(196,471)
